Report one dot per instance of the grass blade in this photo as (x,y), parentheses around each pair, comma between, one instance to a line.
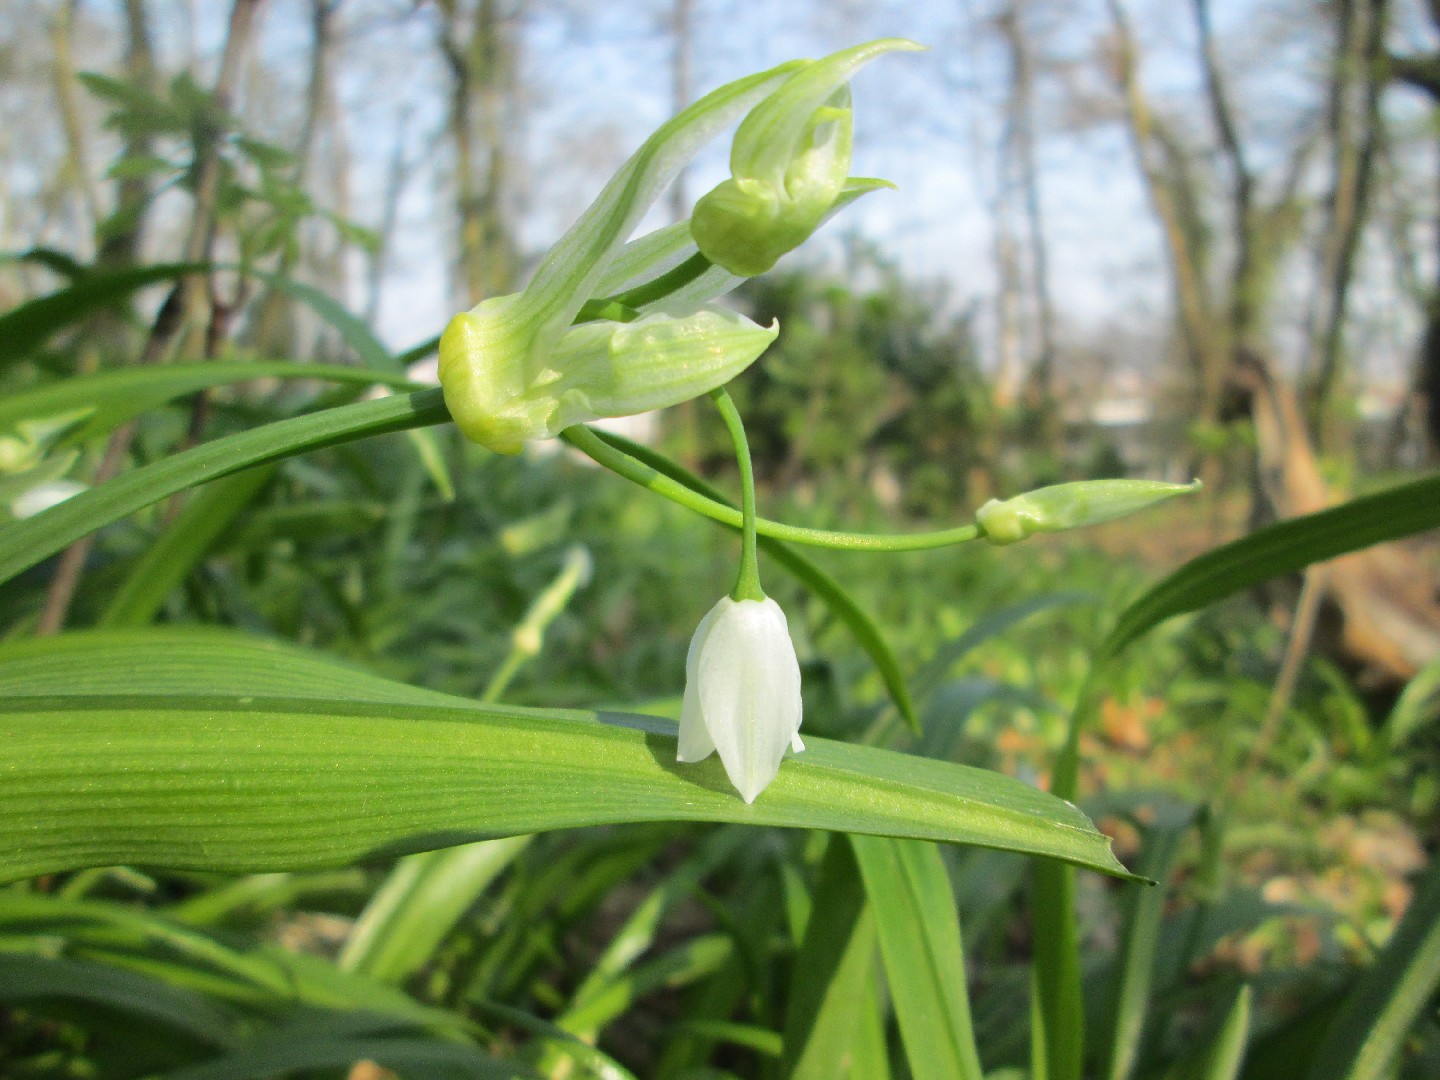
(419,903)
(833,1018)
(25,330)
(127,392)
(920,943)
(1135,966)
(168,561)
(1377,1013)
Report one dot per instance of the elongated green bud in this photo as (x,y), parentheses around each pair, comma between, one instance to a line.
(1071,506)
(789,163)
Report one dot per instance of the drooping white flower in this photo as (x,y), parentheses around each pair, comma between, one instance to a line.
(43,496)
(742,693)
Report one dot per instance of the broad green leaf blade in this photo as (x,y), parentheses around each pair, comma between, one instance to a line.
(919,929)
(177,759)
(830,591)
(1281,549)
(1135,964)
(168,561)
(25,330)
(127,392)
(1378,1012)
(25,543)
(421,901)
(833,1027)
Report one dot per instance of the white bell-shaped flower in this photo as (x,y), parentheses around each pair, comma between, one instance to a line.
(742,693)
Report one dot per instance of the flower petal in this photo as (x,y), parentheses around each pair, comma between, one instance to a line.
(749,691)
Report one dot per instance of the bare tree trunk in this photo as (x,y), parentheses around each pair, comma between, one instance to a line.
(1020,148)
(188,297)
(483,68)
(1203,346)
(61,30)
(120,246)
(682,31)
(273,323)
(1355,125)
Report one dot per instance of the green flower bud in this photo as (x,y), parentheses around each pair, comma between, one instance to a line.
(1071,506)
(789,163)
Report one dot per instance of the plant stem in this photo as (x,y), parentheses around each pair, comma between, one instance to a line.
(656,474)
(747,582)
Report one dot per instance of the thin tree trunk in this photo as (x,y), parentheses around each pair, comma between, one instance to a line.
(61,30)
(682,32)
(124,231)
(1361,33)
(189,294)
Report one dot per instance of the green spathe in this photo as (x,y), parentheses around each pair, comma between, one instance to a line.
(596,370)
(789,163)
(505,365)
(1071,506)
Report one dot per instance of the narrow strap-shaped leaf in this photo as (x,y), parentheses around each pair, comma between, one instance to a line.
(990,626)
(25,543)
(1377,1013)
(354,331)
(193,762)
(833,1014)
(1135,964)
(1221,1060)
(25,330)
(831,592)
(1281,548)
(420,903)
(168,561)
(129,391)
(140,998)
(1057,1013)
(920,943)
(270,1056)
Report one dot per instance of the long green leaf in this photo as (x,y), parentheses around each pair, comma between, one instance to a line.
(919,929)
(128,392)
(1222,1059)
(25,543)
(833,1026)
(168,561)
(116,750)
(1282,548)
(25,978)
(1129,1002)
(421,902)
(25,330)
(354,331)
(1365,1037)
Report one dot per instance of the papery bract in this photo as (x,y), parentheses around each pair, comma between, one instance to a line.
(742,693)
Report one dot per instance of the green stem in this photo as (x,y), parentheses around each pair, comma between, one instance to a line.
(747,583)
(614,453)
(625,306)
